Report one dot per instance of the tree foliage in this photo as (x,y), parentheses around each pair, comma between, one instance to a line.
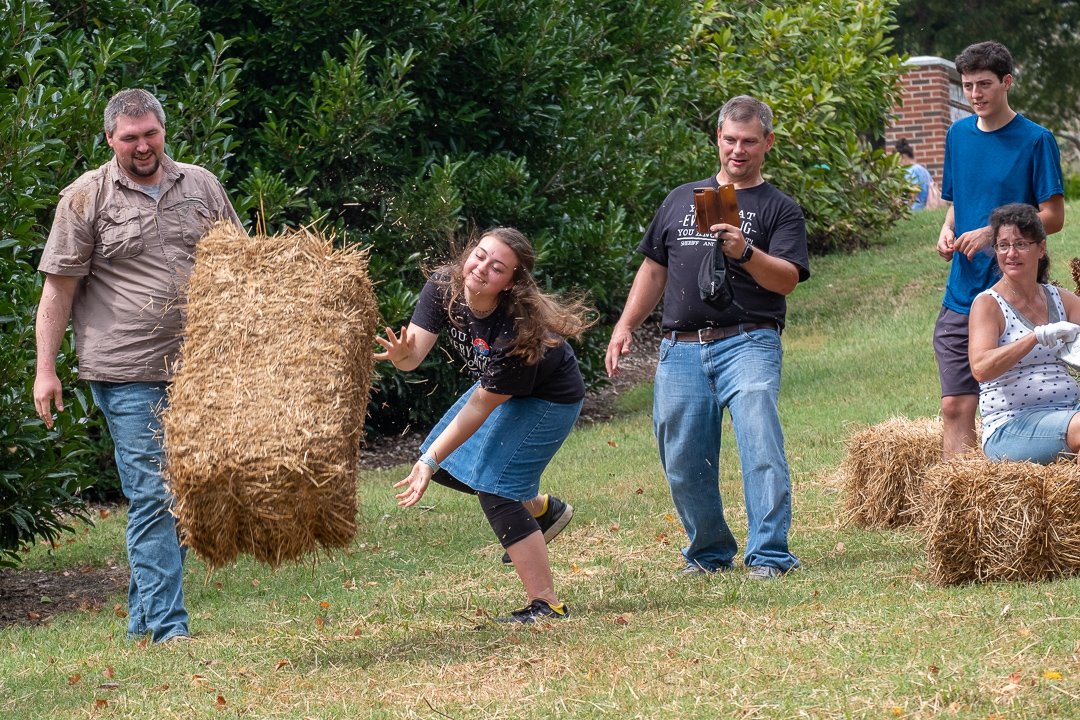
(1042,35)
(828,72)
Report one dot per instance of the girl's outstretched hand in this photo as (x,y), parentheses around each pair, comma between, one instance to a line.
(398,347)
(416,484)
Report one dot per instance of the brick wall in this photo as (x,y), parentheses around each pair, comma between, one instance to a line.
(932,100)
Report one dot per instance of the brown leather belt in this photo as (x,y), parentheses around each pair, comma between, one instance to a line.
(710,334)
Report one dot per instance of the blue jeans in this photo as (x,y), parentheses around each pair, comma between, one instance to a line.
(694,383)
(155,592)
(1038,436)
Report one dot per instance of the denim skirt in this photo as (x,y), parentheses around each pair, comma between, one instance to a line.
(508,453)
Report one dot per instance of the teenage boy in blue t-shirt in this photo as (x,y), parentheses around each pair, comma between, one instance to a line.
(992,158)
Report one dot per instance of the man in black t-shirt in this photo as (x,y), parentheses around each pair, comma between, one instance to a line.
(714,358)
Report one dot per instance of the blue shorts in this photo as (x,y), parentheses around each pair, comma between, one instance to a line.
(1036,435)
(508,453)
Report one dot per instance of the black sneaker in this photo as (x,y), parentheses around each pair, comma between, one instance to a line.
(551,522)
(537,611)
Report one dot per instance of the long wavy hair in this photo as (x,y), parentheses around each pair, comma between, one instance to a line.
(541,320)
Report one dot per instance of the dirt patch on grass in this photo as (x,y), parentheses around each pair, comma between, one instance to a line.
(33,597)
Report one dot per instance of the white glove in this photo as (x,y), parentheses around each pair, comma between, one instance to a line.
(1057,333)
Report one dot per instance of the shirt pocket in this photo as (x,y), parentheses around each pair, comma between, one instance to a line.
(119,230)
(193,218)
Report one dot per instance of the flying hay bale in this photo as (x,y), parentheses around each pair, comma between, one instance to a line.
(1010,521)
(266,410)
(884,468)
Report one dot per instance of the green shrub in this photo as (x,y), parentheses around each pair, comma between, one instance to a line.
(829,74)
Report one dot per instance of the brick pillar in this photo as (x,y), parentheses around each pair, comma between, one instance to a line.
(932,100)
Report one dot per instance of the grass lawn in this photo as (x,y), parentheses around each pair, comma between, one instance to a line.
(398,626)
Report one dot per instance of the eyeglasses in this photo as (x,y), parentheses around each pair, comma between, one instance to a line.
(1019,246)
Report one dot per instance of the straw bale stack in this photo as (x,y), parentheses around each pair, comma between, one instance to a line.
(1009,521)
(267,407)
(884,469)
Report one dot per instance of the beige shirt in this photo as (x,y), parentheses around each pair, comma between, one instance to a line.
(134,255)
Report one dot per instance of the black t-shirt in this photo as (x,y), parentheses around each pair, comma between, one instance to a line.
(771,221)
(484,343)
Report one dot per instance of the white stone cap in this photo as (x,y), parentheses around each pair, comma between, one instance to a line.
(920,60)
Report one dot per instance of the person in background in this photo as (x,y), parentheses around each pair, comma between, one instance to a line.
(715,358)
(498,438)
(1020,328)
(917,175)
(121,248)
(992,158)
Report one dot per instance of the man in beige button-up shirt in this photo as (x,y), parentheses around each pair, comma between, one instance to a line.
(116,263)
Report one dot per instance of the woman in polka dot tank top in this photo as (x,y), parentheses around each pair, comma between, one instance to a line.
(1018,328)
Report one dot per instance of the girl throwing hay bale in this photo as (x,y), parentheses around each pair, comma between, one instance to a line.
(1022,332)
(498,438)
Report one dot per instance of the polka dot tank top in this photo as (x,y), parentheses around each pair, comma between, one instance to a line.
(1038,381)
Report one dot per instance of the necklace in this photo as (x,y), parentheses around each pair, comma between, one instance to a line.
(1020,298)
(477,312)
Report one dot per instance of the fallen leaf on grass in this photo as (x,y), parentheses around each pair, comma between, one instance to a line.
(74,679)
(103,513)
(109,672)
(100,704)
(280,664)
(221,701)
(620,620)
(1052,675)
(119,611)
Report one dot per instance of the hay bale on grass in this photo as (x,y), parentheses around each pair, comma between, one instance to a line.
(266,411)
(884,468)
(988,521)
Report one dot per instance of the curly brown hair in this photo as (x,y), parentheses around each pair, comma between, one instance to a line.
(541,320)
(1025,218)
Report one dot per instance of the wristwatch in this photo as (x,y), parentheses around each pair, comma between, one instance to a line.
(747,252)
